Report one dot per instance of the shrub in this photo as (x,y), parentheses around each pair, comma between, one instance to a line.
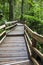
(2,21)
(34,23)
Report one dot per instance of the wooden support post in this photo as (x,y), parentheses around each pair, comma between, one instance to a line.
(33,42)
(34,45)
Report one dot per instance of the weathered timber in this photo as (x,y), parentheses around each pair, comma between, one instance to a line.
(32,44)
(13,48)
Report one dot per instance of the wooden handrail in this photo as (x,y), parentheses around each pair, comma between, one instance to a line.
(34,34)
(37,52)
(8,27)
(30,44)
(29,50)
(10,22)
(34,61)
(33,48)
(3,33)
(29,30)
(3,26)
(29,40)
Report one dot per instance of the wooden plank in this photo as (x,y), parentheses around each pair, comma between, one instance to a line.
(12,55)
(24,62)
(13,44)
(9,48)
(9,62)
(14,39)
(17,53)
(19,30)
(18,38)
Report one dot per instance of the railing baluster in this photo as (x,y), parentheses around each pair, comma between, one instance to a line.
(34,45)
(33,42)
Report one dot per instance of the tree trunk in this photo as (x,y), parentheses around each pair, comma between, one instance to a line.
(22,10)
(10,10)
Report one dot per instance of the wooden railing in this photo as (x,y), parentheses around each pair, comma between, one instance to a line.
(2,33)
(30,38)
(9,25)
(31,44)
(3,28)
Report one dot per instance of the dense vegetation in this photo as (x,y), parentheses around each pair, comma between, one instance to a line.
(29,10)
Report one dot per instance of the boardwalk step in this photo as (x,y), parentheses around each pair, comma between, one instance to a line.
(11,35)
(24,62)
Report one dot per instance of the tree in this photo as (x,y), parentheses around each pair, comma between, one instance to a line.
(22,9)
(10,10)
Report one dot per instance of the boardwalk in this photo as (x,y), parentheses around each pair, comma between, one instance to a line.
(18,30)
(13,48)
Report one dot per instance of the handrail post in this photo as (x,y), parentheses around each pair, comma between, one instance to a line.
(33,42)
(34,45)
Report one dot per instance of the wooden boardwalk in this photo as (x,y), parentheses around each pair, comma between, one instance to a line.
(17,31)
(13,49)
